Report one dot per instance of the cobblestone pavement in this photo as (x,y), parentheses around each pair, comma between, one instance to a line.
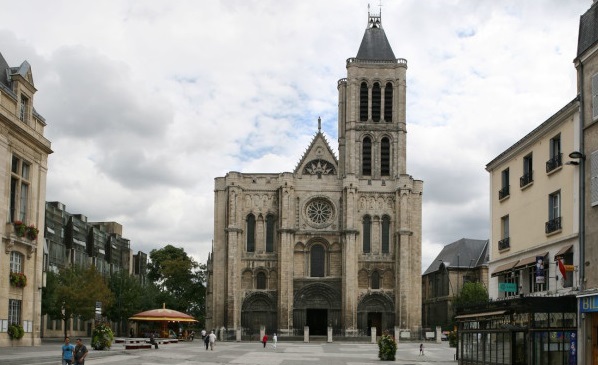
(190,353)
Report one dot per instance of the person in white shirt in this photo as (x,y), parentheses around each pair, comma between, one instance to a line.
(274,341)
(212,340)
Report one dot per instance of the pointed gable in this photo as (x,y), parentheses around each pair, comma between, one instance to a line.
(318,159)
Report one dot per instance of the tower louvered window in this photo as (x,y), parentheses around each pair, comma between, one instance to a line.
(388,102)
(366,162)
(385,157)
(376,102)
(363,102)
(367,234)
(250,233)
(385,234)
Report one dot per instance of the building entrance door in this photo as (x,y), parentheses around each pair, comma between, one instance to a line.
(375,320)
(316,319)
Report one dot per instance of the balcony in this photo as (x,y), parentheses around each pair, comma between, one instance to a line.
(553,225)
(504,244)
(526,179)
(554,163)
(503,193)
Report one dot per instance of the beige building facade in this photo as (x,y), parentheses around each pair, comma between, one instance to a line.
(535,211)
(586,64)
(334,245)
(23,166)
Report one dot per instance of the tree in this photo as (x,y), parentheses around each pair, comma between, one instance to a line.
(127,292)
(472,293)
(76,292)
(180,279)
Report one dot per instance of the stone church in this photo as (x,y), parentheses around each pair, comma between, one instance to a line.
(337,242)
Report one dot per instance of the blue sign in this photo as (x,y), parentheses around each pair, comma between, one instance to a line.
(573,350)
(507,287)
(588,304)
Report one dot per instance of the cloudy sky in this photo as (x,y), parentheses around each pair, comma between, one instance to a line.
(146,102)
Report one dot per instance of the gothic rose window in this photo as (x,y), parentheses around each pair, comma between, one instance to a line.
(319,211)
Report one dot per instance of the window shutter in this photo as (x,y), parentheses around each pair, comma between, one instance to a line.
(595,96)
(594,178)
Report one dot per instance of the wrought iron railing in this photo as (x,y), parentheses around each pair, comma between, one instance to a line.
(553,225)
(504,244)
(526,179)
(554,162)
(503,193)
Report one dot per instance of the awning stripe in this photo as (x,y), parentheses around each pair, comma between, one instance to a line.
(504,267)
(563,251)
(530,260)
(487,314)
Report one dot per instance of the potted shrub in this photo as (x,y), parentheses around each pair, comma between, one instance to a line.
(18,279)
(20,228)
(387,347)
(32,232)
(15,331)
(102,337)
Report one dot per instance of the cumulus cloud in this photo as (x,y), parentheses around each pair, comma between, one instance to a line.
(147,102)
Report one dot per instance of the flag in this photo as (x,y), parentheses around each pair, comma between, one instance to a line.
(562,268)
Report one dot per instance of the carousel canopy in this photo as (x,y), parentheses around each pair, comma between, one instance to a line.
(162,314)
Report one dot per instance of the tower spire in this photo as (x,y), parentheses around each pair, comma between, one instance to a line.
(319,124)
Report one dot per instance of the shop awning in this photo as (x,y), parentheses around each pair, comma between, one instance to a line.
(480,315)
(530,260)
(563,251)
(505,267)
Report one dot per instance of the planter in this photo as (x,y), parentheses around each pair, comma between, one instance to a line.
(18,279)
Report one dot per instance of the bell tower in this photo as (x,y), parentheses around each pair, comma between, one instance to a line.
(371,117)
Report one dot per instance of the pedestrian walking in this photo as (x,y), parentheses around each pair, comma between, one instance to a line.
(67,352)
(206,340)
(421,349)
(274,341)
(80,353)
(212,338)
(265,340)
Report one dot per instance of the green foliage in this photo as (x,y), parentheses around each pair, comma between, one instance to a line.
(179,279)
(452,337)
(15,331)
(127,292)
(73,292)
(102,337)
(472,293)
(18,279)
(387,347)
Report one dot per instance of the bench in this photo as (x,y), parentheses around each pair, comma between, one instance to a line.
(137,346)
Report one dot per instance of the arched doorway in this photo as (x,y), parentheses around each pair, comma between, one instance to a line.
(317,305)
(259,309)
(375,310)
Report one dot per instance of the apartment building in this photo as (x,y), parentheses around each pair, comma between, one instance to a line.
(534,252)
(24,155)
(72,240)
(586,159)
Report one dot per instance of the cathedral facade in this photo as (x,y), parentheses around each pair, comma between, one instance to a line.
(337,242)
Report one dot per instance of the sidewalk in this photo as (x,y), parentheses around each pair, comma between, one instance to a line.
(189,353)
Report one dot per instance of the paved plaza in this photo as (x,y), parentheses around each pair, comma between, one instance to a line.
(189,353)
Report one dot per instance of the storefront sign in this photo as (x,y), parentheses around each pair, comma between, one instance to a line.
(539,270)
(588,304)
(507,287)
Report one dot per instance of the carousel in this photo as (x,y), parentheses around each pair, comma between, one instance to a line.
(163,316)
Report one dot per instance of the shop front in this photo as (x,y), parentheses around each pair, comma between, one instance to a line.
(518,331)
